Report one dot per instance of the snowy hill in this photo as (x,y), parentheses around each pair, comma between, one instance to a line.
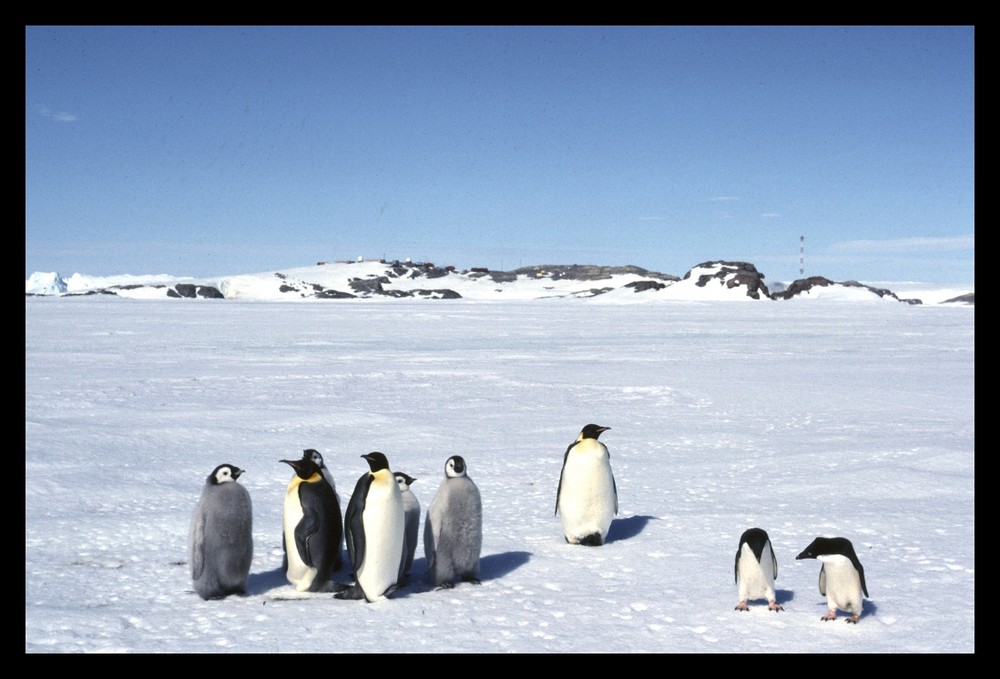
(709,281)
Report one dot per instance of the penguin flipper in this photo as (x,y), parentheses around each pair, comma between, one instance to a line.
(561,471)
(822,580)
(614,488)
(861,574)
(429,544)
(774,560)
(197,546)
(305,532)
(354,522)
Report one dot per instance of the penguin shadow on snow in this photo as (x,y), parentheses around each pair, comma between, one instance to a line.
(266,581)
(491,567)
(627,528)
(868,608)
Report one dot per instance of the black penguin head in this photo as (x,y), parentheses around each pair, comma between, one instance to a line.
(826,546)
(224,473)
(404,480)
(376,461)
(313,455)
(304,468)
(454,467)
(592,431)
(756,538)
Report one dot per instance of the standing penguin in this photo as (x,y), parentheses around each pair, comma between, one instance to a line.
(756,568)
(587,498)
(221,539)
(374,525)
(328,477)
(313,528)
(841,576)
(453,531)
(411,515)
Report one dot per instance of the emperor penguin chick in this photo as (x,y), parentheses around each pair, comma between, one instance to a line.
(453,531)
(411,514)
(220,543)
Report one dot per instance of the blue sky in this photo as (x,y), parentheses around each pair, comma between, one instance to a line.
(208,151)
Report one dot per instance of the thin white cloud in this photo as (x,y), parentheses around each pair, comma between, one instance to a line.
(717,199)
(770,215)
(918,244)
(58,116)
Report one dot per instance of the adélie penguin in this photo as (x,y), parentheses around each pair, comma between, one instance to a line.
(756,569)
(313,528)
(374,527)
(841,576)
(587,497)
(220,543)
(411,516)
(453,531)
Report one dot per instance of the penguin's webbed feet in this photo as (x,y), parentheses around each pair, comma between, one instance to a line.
(854,619)
(742,606)
(831,615)
(472,580)
(775,606)
(445,585)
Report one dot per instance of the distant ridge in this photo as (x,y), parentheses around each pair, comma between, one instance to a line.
(378,279)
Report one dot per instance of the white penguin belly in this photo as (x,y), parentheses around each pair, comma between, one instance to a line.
(298,573)
(755,578)
(587,498)
(383,526)
(843,584)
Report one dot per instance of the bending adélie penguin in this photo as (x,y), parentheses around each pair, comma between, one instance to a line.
(587,497)
(841,576)
(756,569)
(220,542)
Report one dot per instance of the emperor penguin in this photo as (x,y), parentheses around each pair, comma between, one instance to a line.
(411,515)
(841,576)
(756,569)
(221,538)
(328,477)
(313,528)
(374,524)
(453,531)
(587,498)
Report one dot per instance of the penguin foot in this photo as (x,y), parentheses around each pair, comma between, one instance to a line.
(831,615)
(592,540)
(742,606)
(445,585)
(471,580)
(348,592)
(854,619)
(774,606)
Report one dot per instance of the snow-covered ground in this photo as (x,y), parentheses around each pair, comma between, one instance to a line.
(807,420)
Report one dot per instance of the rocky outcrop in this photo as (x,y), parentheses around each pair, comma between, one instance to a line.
(806,284)
(732,274)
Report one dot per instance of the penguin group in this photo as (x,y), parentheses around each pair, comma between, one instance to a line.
(381,523)
(841,575)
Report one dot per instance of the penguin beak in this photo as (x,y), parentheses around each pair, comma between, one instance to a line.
(237,472)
